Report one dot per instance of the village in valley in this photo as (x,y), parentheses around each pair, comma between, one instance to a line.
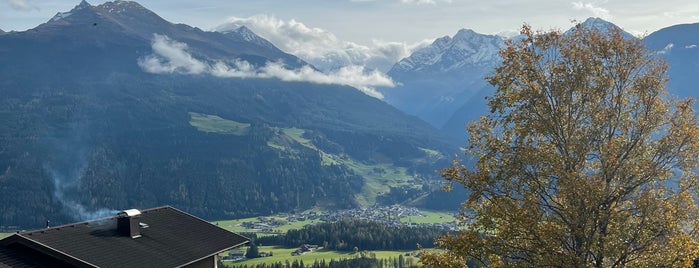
(393,216)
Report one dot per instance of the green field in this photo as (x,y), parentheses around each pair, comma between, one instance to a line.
(3,235)
(216,124)
(431,217)
(280,254)
(379,179)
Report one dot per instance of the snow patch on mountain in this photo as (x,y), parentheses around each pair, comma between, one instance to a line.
(120,6)
(63,15)
(450,53)
(602,26)
(249,36)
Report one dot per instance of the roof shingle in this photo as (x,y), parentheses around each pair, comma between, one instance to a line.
(172,239)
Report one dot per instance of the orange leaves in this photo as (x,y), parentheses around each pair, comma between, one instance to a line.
(583,161)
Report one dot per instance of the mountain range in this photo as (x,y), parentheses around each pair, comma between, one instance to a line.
(444,83)
(111,107)
(435,81)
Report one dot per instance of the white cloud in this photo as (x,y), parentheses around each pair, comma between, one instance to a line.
(21,5)
(240,69)
(354,76)
(592,8)
(170,56)
(321,47)
(690,46)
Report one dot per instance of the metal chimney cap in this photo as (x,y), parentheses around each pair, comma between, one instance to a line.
(131,212)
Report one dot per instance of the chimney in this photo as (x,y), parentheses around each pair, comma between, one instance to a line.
(128,223)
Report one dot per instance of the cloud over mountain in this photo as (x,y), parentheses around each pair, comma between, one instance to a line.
(321,47)
(171,56)
(593,9)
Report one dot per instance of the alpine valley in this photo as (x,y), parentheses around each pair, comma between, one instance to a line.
(111,107)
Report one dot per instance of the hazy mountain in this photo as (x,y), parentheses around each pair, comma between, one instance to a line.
(679,45)
(604,26)
(437,80)
(111,107)
(444,83)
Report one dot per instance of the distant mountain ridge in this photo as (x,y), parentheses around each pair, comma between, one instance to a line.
(86,128)
(436,80)
(444,83)
(466,48)
(135,21)
(679,45)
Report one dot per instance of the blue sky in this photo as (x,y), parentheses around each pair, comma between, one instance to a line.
(390,20)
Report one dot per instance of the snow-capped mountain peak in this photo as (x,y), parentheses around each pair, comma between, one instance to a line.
(603,26)
(62,15)
(120,6)
(252,37)
(83,4)
(451,53)
(597,23)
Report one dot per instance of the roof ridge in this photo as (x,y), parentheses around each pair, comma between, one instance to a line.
(72,224)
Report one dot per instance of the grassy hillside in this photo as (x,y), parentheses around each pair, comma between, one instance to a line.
(379,175)
(216,124)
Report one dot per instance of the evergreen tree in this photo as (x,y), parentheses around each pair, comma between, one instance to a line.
(252,252)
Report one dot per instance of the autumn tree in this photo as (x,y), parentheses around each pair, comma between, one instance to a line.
(583,161)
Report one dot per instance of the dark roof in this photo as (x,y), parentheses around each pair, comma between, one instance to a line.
(19,256)
(172,239)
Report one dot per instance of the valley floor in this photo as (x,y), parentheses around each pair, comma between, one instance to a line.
(284,255)
(391,215)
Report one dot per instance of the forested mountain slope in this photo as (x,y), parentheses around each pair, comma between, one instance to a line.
(91,125)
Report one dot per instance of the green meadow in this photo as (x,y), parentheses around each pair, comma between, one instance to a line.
(280,254)
(216,124)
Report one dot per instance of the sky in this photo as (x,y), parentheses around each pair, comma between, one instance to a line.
(338,36)
(363,21)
